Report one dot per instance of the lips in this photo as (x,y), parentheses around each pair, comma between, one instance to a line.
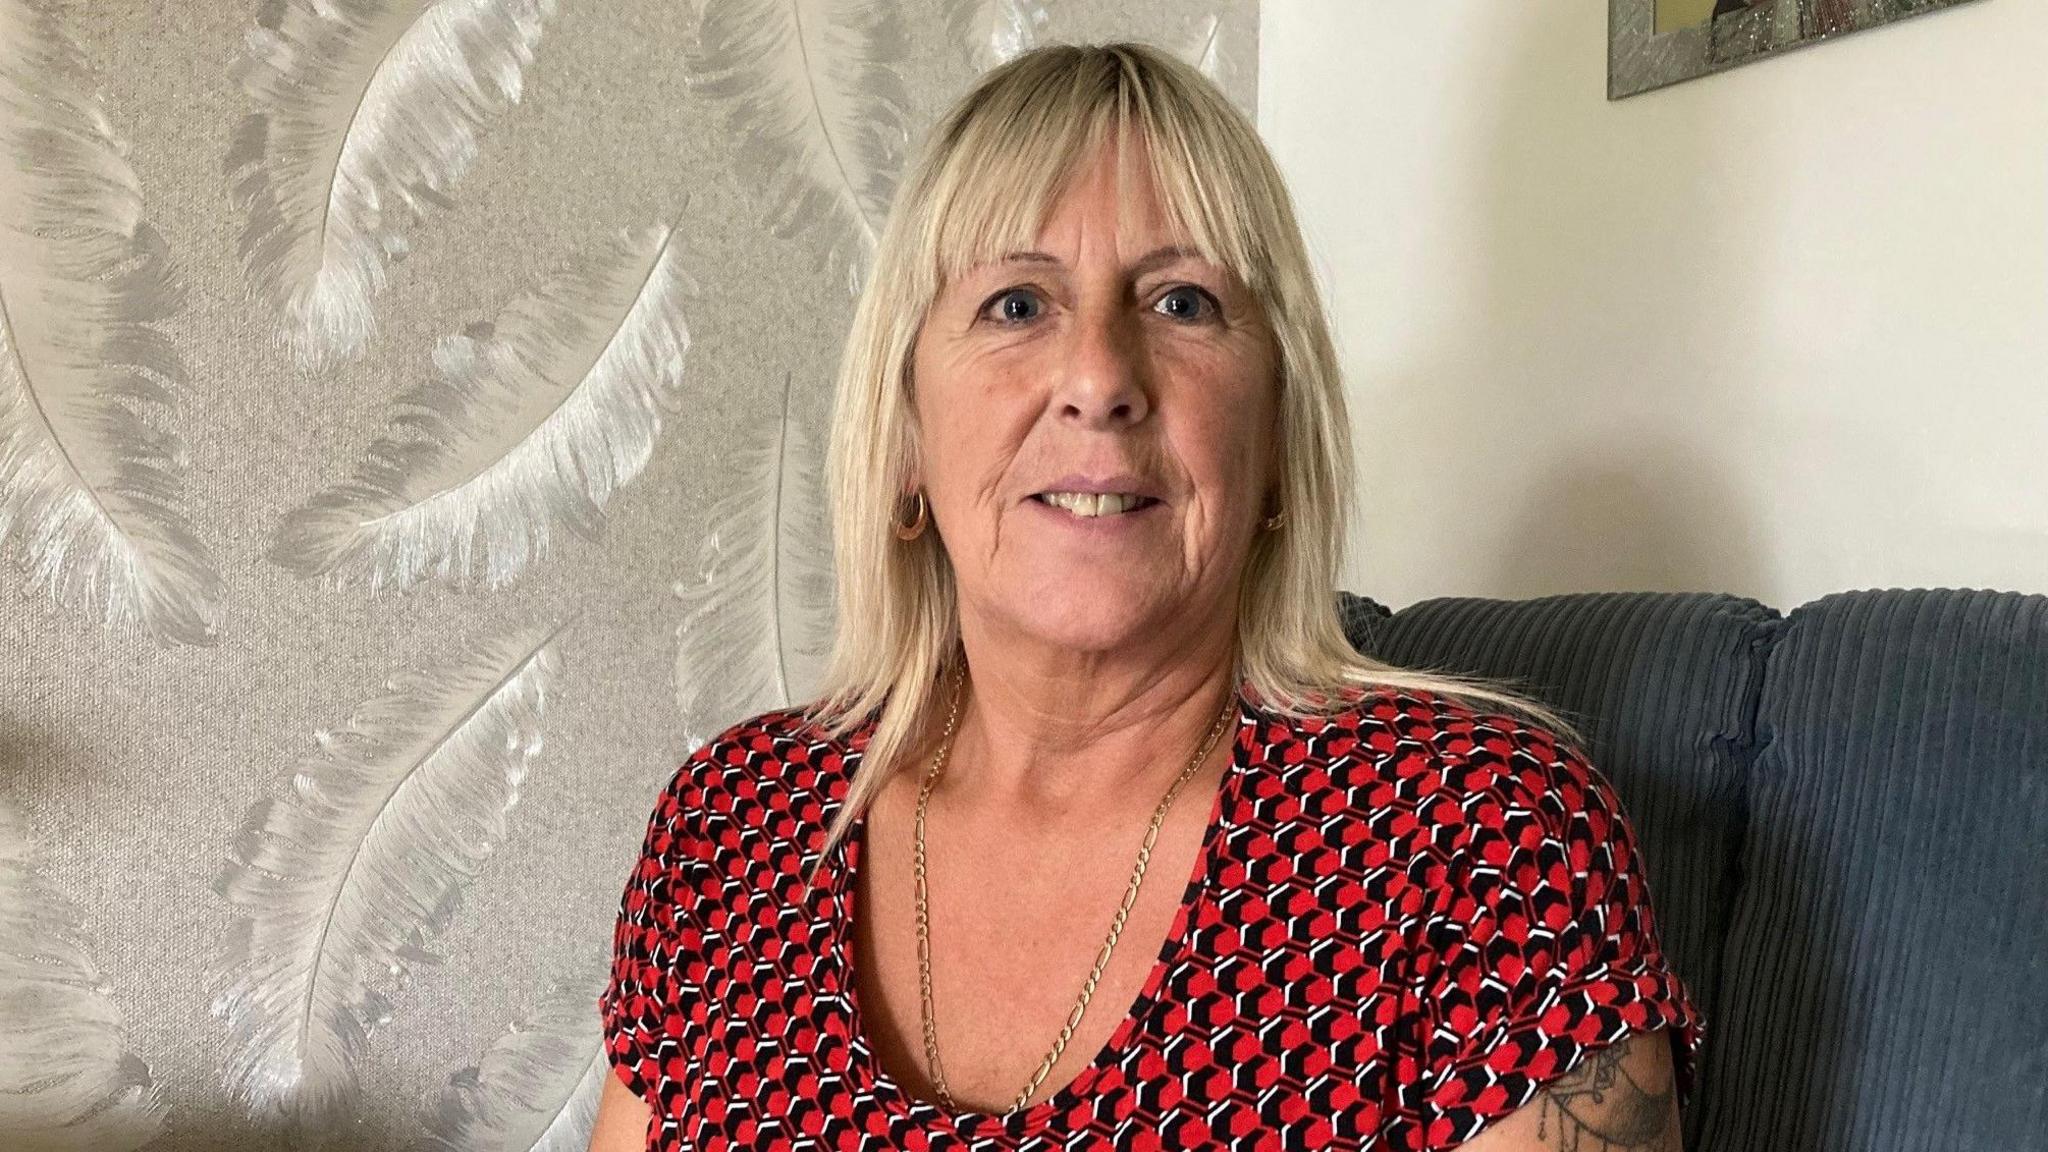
(1064,501)
(1099,502)
(1126,483)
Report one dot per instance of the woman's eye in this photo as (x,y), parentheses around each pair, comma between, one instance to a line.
(1003,301)
(1185,302)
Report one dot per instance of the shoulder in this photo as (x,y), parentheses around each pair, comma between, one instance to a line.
(1511,834)
(773,766)
(1515,761)
(1463,744)
(770,741)
(1447,776)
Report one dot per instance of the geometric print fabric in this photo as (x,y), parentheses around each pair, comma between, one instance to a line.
(1405,919)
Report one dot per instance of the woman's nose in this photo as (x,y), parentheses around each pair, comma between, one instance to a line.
(1104,378)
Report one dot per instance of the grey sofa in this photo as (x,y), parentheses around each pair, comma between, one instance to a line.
(1843,812)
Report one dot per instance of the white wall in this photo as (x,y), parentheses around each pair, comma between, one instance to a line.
(1778,331)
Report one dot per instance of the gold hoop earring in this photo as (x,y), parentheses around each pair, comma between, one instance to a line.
(1274,521)
(916,528)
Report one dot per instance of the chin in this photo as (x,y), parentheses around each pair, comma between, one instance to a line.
(1082,617)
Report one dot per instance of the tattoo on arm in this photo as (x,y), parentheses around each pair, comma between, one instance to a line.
(1599,1107)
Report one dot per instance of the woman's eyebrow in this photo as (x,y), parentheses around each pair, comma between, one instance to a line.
(1161,257)
(1157,258)
(1029,258)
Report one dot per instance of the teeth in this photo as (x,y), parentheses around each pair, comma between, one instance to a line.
(1090,503)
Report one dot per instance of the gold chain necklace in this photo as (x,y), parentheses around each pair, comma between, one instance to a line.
(1116,925)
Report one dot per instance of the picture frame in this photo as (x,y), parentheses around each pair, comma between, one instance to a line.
(1655,43)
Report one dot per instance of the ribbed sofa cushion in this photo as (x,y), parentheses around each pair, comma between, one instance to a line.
(1665,686)
(1883,981)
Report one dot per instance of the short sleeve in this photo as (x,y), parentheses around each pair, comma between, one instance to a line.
(1544,948)
(643,1025)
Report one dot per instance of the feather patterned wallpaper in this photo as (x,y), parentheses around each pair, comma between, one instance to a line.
(411,416)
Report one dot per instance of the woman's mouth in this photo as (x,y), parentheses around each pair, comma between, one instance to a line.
(1095,505)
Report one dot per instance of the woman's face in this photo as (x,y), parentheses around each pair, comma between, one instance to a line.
(1100,359)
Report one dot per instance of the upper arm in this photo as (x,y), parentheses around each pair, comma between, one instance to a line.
(622,1119)
(1547,966)
(655,929)
(1623,1095)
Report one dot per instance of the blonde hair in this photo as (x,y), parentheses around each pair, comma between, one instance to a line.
(988,176)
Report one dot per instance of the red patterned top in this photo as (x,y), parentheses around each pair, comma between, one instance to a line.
(1405,919)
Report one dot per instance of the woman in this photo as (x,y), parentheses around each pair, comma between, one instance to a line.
(1100,834)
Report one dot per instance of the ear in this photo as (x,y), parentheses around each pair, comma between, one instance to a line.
(910,459)
(910,488)
(1276,460)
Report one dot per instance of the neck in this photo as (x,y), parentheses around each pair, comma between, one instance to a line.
(1087,728)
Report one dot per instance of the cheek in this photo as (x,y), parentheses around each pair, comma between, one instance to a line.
(970,443)
(1230,433)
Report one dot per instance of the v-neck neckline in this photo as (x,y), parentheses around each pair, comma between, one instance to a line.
(1175,953)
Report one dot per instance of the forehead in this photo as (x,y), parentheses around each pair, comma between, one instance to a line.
(1021,203)
(1086,213)
(1120,199)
